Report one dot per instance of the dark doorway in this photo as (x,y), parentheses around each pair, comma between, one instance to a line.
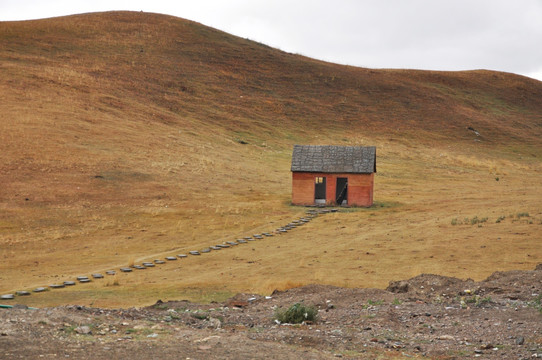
(341,194)
(320,190)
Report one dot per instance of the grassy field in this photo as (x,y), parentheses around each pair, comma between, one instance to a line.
(127,137)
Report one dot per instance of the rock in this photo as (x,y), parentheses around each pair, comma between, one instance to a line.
(520,340)
(125,269)
(39,289)
(538,267)
(7,297)
(398,287)
(238,303)
(97,276)
(83,330)
(214,323)
(445,337)
(22,293)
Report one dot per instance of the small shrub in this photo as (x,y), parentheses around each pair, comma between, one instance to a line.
(537,303)
(523,214)
(454,221)
(476,220)
(200,315)
(500,218)
(297,314)
(483,301)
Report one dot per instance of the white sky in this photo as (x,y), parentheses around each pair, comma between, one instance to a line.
(503,35)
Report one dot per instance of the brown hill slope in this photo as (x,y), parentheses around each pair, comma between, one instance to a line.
(122,137)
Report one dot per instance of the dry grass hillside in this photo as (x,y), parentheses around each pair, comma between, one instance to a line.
(127,137)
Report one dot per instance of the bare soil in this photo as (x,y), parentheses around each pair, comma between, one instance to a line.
(428,316)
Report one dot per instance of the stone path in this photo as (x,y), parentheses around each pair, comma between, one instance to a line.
(310,214)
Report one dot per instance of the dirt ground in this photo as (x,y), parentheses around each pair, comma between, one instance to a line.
(428,316)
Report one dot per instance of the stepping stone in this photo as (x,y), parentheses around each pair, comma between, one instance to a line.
(57,286)
(39,289)
(69,283)
(171,258)
(22,293)
(334,210)
(125,269)
(111,272)
(159,261)
(206,250)
(232,243)
(223,246)
(247,237)
(216,248)
(250,239)
(7,297)
(194,252)
(256,235)
(97,276)
(242,241)
(82,277)
(259,237)
(182,256)
(267,234)
(139,267)
(84,280)
(148,264)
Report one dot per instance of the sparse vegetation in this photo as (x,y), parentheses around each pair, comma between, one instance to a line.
(297,314)
(537,303)
(472,221)
(200,315)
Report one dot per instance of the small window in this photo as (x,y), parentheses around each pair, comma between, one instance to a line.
(318,180)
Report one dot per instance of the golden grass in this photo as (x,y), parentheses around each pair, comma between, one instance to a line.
(110,156)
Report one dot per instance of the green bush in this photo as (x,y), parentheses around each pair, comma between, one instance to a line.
(296,314)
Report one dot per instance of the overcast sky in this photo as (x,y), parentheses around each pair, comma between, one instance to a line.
(501,35)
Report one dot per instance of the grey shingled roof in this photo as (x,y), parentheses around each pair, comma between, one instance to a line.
(334,159)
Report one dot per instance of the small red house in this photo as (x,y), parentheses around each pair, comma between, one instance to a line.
(333,175)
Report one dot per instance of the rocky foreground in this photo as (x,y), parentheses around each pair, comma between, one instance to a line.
(428,316)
